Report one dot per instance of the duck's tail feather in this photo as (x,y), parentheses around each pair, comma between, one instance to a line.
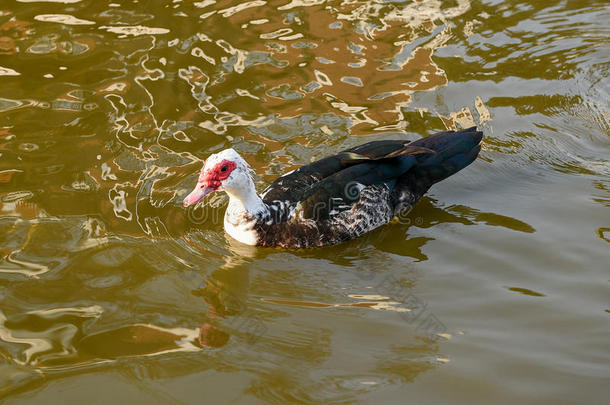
(454,151)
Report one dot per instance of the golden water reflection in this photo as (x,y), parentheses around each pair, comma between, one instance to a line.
(107,111)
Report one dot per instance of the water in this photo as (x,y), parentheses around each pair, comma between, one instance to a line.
(493,290)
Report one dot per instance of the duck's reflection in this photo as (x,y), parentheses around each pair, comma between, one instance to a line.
(225,291)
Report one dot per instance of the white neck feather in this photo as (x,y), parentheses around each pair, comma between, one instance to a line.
(246,201)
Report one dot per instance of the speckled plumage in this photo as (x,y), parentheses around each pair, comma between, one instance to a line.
(372,209)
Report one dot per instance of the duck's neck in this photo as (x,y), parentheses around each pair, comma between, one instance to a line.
(246,201)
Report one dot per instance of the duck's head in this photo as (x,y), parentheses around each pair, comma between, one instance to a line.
(224,170)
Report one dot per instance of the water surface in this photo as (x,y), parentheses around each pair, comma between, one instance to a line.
(494,289)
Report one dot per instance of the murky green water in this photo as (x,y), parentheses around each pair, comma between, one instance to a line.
(494,290)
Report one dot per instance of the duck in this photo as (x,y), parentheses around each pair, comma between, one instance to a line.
(337,198)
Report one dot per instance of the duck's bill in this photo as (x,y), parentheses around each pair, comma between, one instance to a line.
(197,195)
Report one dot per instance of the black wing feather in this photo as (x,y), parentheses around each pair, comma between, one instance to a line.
(322,186)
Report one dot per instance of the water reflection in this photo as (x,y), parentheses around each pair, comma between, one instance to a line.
(107,111)
(59,340)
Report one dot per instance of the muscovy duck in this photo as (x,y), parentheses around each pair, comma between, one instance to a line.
(336,198)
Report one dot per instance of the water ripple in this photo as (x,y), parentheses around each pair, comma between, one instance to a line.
(108,110)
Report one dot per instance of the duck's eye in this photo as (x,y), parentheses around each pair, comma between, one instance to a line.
(223,169)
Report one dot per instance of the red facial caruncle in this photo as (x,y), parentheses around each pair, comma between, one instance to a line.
(212,177)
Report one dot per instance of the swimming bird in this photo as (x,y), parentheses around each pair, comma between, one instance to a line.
(336,198)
